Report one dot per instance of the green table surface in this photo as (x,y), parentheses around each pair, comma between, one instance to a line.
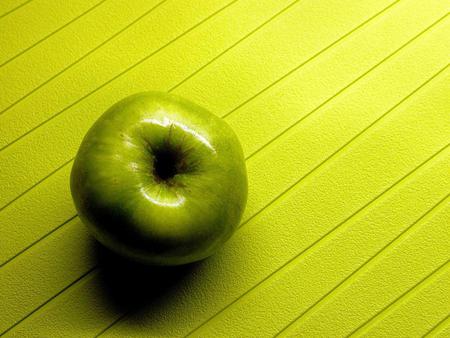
(343,110)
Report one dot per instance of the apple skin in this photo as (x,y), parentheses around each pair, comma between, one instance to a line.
(160,179)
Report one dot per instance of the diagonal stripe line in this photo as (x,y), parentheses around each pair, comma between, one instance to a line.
(352,83)
(93,268)
(14,9)
(120,74)
(36,184)
(398,300)
(113,323)
(311,58)
(112,37)
(48,300)
(52,33)
(234,45)
(38,240)
(330,232)
(230,111)
(354,274)
(428,334)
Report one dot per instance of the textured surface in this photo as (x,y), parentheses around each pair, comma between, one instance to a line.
(343,109)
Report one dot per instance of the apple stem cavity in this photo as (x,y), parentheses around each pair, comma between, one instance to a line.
(169,160)
(166,164)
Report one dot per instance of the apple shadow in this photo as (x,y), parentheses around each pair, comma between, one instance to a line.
(128,285)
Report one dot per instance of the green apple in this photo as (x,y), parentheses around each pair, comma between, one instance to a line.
(160,179)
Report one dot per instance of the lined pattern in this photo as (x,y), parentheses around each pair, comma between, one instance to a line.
(343,111)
